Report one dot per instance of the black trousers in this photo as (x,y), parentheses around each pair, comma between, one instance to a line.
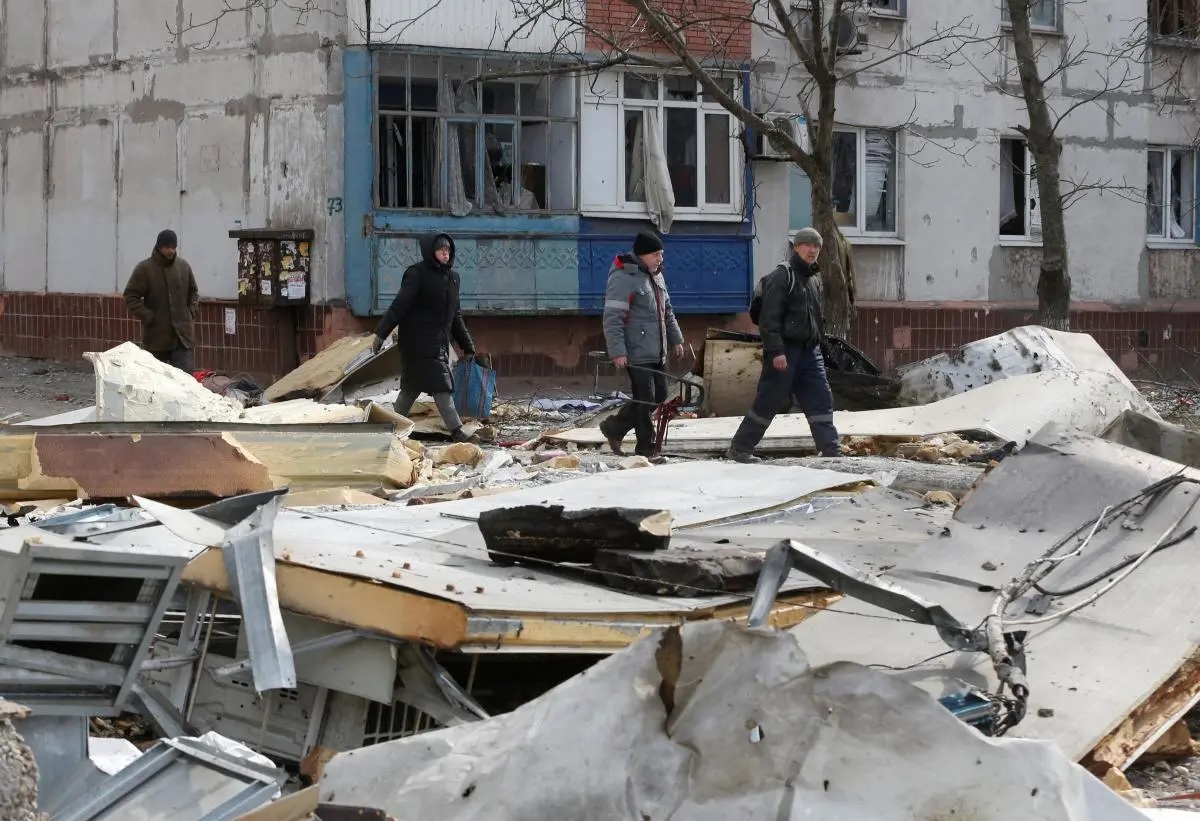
(806,380)
(179,357)
(648,386)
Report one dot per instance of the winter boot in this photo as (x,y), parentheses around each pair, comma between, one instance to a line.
(610,436)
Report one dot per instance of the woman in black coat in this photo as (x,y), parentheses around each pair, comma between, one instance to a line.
(428,314)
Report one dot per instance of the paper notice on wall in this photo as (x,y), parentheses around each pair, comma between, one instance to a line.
(230,321)
(296,288)
(265,286)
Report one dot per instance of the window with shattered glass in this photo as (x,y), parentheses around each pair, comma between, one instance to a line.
(1171,194)
(464,134)
(864,181)
(1043,14)
(694,140)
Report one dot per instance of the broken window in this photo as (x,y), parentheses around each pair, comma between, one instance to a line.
(864,180)
(1171,194)
(1020,217)
(449,141)
(1043,14)
(896,7)
(1175,18)
(694,139)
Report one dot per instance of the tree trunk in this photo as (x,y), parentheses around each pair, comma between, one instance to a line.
(1054,278)
(838,287)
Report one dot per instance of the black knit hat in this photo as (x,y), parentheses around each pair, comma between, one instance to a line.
(646,243)
(166,239)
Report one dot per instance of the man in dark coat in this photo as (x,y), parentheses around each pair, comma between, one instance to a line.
(639,329)
(428,315)
(792,325)
(162,294)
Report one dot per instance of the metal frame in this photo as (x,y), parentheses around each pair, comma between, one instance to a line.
(261,784)
(101,686)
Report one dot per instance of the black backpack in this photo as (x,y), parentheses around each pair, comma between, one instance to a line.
(756,299)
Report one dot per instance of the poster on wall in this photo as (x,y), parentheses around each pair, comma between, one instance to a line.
(230,322)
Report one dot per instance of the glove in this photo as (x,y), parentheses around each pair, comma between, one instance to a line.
(376,344)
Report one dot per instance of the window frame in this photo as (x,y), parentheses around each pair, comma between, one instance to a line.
(1154,14)
(1034,26)
(1163,239)
(900,12)
(859,230)
(1030,237)
(730,211)
(480,120)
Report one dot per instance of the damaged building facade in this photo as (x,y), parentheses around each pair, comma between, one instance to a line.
(354,123)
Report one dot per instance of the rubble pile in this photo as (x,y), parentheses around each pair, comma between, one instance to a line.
(274,592)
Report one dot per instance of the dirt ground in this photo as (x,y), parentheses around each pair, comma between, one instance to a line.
(34,388)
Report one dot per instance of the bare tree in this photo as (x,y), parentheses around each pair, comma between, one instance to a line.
(1044,144)
(697,37)
(1130,64)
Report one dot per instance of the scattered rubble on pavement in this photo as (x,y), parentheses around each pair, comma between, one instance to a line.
(296,581)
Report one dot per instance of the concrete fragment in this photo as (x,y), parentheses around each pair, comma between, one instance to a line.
(133,386)
(634,462)
(460,453)
(18,769)
(940,497)
(568,462)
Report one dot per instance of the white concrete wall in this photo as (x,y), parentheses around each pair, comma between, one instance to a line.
(112,129)
(489,25)
(949,180)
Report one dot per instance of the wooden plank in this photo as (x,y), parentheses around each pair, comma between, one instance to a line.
(316,376)
(387,610)
(1138,731)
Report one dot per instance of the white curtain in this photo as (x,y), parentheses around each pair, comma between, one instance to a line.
(450,153)
(660,196)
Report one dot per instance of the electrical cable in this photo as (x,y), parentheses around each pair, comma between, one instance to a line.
(1121,565)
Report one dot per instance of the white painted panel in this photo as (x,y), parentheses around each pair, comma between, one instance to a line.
(22,32)
(24,259)
(296,167)
(328,275)
(474,24)
(142,28)
(600,152)
(82,243)
(213,168)
(79,32)
(211,25)
(148,197)
(299,74)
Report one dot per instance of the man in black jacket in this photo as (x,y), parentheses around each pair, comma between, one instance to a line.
(427,312)
(792,326)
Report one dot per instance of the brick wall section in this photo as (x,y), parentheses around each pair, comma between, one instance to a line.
(64,326)
(1157,342)
(713,28)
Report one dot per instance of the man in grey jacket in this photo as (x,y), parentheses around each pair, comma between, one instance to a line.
(639,329)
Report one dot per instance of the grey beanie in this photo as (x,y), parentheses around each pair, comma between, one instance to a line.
(807,236)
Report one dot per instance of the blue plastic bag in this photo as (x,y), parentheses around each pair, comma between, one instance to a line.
(474,389)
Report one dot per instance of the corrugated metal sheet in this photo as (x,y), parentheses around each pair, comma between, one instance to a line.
(473,24)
